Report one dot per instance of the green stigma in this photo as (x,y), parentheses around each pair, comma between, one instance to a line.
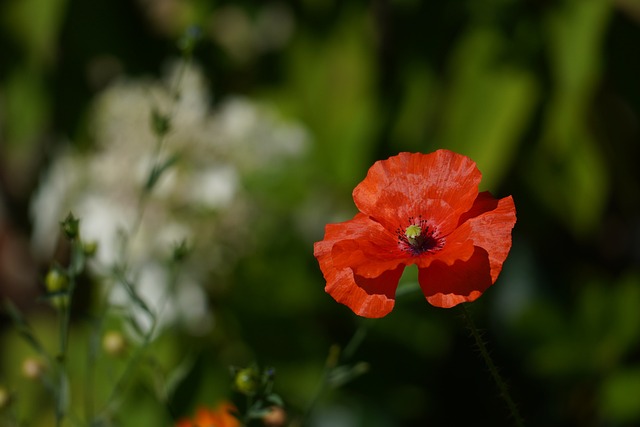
(413,232)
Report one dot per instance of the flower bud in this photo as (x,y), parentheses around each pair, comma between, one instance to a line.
(114,343)
(160,123)
(180,251)
(189,39)
(247,381)
(57,282)
(33,368)
(90,248)
(276,417)
(71,226)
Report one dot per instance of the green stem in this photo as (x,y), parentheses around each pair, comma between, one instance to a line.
(502,386)
(247,413)
(65,321)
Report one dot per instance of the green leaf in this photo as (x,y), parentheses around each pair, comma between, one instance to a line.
(573,185)
(568,172)
(619,396)
(24,329)
(342,375)
(160,123)
(177,375)
(332,90)
(275,399)
(158,170)
(489,104)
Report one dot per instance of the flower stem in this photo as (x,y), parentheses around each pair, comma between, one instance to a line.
(502,386)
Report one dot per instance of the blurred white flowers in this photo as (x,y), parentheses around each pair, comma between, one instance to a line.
(199,199)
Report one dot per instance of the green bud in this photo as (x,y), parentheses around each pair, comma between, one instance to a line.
(33,368)
(246,381)
(160,123)
(114,343)
(71,226)
(180,251)
(90,248)
(57,282)
(189,39)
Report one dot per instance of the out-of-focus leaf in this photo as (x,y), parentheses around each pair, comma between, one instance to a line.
(568,173)
(158,170)
(178,374)
(489,104)
(24,329)
(619,396)
(572,185)
(332,91)
(602,329)
(625,316)
(417,108)
(26,105)
(576,29)
(160,123)
(608,316)
(275,399)
(344,374)
(35,23)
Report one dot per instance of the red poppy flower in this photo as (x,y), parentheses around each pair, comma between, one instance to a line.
(220,416)
(422,209)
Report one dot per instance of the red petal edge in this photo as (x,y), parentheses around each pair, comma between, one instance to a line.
(446,286)
(398,187)
(490,221)
(367,297)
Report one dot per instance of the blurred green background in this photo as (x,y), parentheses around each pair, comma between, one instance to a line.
(543,95)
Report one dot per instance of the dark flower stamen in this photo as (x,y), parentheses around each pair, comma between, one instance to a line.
(418,237)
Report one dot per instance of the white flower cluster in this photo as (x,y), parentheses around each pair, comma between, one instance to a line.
(200,198)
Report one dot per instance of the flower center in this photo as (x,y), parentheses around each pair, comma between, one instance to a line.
(413,233)
(418,237)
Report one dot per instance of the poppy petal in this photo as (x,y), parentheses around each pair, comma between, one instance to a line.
(464,281)
(491,222)
(457,247)
(364,246)
(398,187)
(368,297)
(371,298)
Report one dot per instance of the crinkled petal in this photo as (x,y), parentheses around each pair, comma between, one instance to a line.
(369,250)
(368,297)
(491,221)
(401,186)
(464,281)
(371,298)
(457,247)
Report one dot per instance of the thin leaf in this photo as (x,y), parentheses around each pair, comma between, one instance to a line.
(24,329)
(157,171)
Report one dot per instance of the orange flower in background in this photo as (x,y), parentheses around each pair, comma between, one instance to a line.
(220,416)
(422,209)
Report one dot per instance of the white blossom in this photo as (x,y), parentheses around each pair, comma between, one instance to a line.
(200,198)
